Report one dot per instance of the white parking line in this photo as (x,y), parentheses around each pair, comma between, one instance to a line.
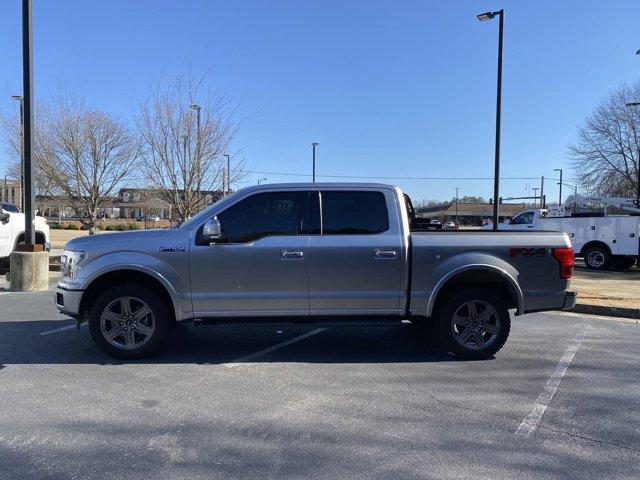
(55,330)
(251,356)
(532,420)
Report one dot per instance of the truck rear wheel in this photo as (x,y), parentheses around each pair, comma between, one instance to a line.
(597,257)
(129,321)
(473,324)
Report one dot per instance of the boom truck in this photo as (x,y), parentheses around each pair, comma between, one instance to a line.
(604,240)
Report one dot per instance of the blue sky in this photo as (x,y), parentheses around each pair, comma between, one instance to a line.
(390,89)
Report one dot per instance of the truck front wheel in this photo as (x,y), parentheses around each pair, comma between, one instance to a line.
(620,262)
(129,321)
(473,323)
(597,258)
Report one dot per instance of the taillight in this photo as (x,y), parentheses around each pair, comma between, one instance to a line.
(567,262)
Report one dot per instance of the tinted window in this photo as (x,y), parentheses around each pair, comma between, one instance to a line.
(8,207)
(353,213)
(263,214)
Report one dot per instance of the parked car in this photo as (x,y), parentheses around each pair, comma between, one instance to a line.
(450,225)
(316,252)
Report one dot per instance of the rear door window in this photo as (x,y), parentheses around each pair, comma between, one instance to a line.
(353,212)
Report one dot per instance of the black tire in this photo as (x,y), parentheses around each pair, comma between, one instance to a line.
(597,257)
(159,318)
(449,334)
(622,262)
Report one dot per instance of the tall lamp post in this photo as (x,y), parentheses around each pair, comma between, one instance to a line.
(228,173)
(457,188)
(314,145)
(496,178)
(27,123)
(637,104)
(559,183)
(197,108)
(20,100)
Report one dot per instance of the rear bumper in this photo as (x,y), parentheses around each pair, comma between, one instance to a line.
(562,300)
(68,301)
(570,299)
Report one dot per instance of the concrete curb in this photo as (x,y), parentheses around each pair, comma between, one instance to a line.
(607,311)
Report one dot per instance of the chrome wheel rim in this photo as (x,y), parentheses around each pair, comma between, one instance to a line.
(127,323)
(475,324)
(595,258)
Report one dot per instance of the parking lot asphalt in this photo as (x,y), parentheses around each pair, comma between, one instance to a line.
(305,402)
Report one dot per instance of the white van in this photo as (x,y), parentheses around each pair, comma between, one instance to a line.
(603,241)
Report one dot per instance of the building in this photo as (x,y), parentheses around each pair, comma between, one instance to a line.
(11,192)
(469,213)
(141,202)
(130,203)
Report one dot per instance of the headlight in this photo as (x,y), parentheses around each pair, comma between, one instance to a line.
(70,264)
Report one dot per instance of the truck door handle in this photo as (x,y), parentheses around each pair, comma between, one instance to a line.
(381,254)
(292,254)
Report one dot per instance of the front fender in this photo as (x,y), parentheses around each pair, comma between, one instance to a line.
(474,261)
(161,271)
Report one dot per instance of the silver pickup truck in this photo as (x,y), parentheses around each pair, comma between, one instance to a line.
(312,253)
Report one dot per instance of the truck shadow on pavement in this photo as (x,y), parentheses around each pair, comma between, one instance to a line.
(37,342)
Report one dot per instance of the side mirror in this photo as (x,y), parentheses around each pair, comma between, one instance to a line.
(4,217)
(211,231)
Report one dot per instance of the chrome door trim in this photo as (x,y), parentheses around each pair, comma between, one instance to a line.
(381,254)
(292,254)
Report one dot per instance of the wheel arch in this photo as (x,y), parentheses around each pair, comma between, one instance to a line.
(40,235)
(481,275)
(594,243)
(105,279)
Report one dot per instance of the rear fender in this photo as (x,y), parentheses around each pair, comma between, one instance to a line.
(475,261)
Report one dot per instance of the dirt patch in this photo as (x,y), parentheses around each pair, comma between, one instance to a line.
(610,289)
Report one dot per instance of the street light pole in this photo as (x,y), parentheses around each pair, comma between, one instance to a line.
(457,188)
(27,91)
(535,196)
(314,145)
(19,99)
(637,104)
(559,183)
(228,173)
(496,177)
(197,108)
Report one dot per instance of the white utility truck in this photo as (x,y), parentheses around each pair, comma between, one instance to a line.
(12,231)
(603,240)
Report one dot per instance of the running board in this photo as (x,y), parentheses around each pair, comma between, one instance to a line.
(323,322)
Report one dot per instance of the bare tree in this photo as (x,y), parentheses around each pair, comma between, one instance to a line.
(12,136)
(606,154)
(86,154)
(182,162)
